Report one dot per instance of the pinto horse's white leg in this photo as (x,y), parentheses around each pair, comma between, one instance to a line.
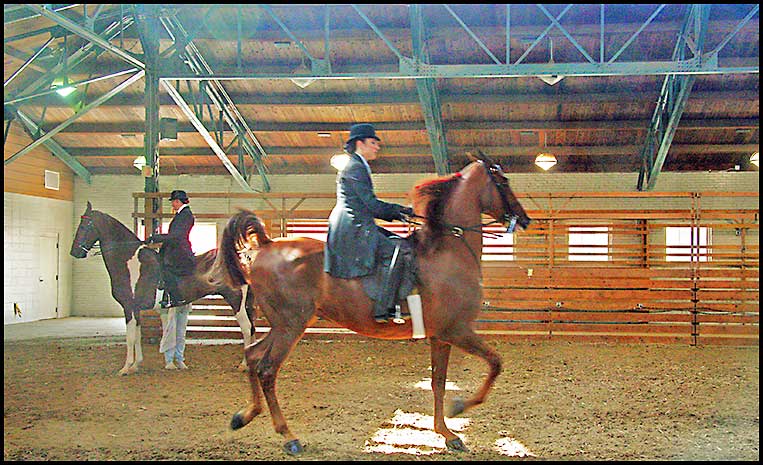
(138,347)
(246,326)
(130,359)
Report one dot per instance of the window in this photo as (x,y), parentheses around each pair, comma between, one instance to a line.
(679,246)
(497,245)
(316,229)
(203,236)
(589,243)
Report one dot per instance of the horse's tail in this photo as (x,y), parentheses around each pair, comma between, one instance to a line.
(237,241)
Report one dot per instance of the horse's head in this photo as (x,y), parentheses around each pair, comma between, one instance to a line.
(502,204)
(86,235)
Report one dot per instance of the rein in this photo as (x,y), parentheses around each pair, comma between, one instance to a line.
(459,231)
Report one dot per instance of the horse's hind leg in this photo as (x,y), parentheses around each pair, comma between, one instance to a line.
(252,356)
(474,345)
(242,316)
(440,353)
(267,370)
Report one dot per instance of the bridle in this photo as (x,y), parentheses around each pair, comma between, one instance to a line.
(86,229)
(493,171)
(90,224)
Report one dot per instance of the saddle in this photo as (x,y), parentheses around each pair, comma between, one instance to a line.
(392,281)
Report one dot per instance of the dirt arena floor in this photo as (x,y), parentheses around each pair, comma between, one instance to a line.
(361,399)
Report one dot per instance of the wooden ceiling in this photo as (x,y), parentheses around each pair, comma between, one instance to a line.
(592,123)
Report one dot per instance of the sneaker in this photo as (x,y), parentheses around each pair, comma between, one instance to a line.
(170,366)
(182,365)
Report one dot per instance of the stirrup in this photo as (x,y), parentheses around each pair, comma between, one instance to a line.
(399,318)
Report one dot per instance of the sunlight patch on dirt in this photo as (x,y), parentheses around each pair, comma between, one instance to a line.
(512,448)
(426,384)
(412,433)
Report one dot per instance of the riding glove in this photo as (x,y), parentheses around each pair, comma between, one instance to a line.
(404,213)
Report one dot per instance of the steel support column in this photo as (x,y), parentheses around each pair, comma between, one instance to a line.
(147,22)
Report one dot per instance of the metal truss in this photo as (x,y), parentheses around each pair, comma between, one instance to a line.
(673,97)
(679,71)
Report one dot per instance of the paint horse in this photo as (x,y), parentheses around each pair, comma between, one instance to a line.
(134,270)
(287,278)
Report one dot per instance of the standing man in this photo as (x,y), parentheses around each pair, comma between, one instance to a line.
(176,254)
(355,243)
(177,261)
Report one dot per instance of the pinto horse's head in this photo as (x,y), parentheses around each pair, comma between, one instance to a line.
(86,235)
(505,207)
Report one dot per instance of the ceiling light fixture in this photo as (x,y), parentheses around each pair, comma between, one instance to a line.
(545,160)
(324,134)
(139,162)
(62,87)
(754,159)
(339,161)
(550,79)
(302,82)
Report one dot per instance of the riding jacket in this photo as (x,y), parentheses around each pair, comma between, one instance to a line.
(176,253)
(354,239)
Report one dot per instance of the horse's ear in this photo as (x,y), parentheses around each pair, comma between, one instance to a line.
(479,155)
(89,207)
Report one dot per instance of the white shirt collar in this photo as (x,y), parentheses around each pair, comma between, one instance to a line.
(181,208)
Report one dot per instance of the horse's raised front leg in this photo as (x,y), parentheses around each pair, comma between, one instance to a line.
(440,353)
(131,361)
(473,344)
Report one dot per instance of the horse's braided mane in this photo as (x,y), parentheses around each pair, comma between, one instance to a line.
(434,194)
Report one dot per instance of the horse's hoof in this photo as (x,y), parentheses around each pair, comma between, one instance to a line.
(243,368)
(124,372)
(237,422)
(456,408)
(293,447)
(456,445)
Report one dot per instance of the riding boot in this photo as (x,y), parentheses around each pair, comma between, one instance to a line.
(171,290)
(384,308)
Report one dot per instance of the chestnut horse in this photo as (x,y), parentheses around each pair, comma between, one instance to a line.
(134,270)
(292,290)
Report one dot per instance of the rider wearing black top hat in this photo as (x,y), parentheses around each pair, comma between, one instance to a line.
(355,243)
(176,254)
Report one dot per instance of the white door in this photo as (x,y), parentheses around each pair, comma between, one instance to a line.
(48,280)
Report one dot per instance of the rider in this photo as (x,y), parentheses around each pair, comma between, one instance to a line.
(355,243)
(176,255)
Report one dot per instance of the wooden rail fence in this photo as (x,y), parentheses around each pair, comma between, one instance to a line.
(632,288)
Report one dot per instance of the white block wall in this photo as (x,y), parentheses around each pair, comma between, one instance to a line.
(91,291)
(25,219)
